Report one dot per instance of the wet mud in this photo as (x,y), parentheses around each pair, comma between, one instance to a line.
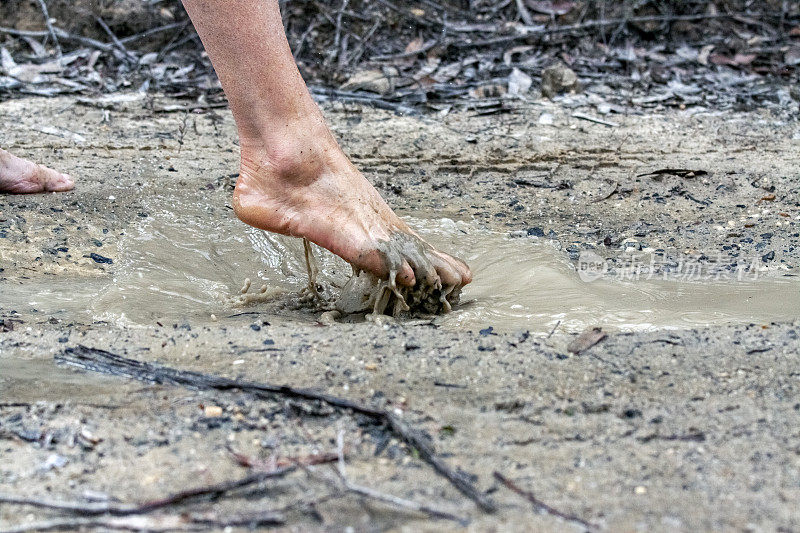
(683,418)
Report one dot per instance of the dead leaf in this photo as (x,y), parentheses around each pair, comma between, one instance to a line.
(792,56)
(508,55)
(415,45)
(702,57)
(739,60)
(447,72)
(767,198)
(36,46)
(586,340)
(519,83)
(374,81)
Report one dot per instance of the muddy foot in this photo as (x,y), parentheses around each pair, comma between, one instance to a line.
(21,176)
(307,187)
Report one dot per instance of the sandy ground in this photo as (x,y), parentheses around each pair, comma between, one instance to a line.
(680,429)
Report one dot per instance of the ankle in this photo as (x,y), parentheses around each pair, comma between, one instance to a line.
(292,150)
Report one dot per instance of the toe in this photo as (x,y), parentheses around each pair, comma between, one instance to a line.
(55,181)
(425,272)
(463,268)
(447,271)
(405,276)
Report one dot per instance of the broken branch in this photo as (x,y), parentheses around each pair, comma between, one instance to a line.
(97,360)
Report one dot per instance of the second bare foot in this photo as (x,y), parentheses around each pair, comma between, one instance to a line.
(21,176)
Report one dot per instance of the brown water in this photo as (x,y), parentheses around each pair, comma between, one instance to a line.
(181,264)
(529,284)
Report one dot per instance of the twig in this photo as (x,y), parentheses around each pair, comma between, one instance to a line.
(50,29)
(391,499)
(529,31)
(355,56)
(153,31)
(62,34)
(524,14)
(344,483)
(128,54)
(323,94)
(553,330)
(338,35)
(102,361)
(539,505)
(151,524)
(116,509)
(302,41)
(20,434)
(596,120)
(422,49)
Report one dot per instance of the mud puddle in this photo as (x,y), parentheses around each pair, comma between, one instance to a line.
(522,284)
(175,265)
(180,264)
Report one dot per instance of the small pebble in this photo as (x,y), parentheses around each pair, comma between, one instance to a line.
(212,411)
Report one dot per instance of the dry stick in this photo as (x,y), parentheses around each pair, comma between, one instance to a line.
(63,524)
(402,55)
(355,56)
(538,30)
(312,267)
(338,34)
(344,483)
(62,34)
(298,48)
(584,116)
(128,54)
(524,14)
(366,492)
(153,31)
(50,29)
(553,330)
(539,505)
(116,509)
(155,524)
(324,93)
(109,363)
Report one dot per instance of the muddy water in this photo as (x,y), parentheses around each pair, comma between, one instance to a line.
(175,265)
(180,263)
(528,284)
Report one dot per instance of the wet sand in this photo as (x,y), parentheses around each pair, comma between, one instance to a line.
(684,418)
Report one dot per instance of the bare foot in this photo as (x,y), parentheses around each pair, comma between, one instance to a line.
(22,176)
(303,185)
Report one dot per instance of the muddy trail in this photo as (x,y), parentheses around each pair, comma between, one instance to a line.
(677,234)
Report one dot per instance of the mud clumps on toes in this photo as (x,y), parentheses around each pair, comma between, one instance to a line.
(365,292)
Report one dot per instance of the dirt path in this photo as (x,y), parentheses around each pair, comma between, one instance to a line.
(680,429)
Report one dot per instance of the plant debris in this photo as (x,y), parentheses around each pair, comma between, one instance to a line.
(430,55)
